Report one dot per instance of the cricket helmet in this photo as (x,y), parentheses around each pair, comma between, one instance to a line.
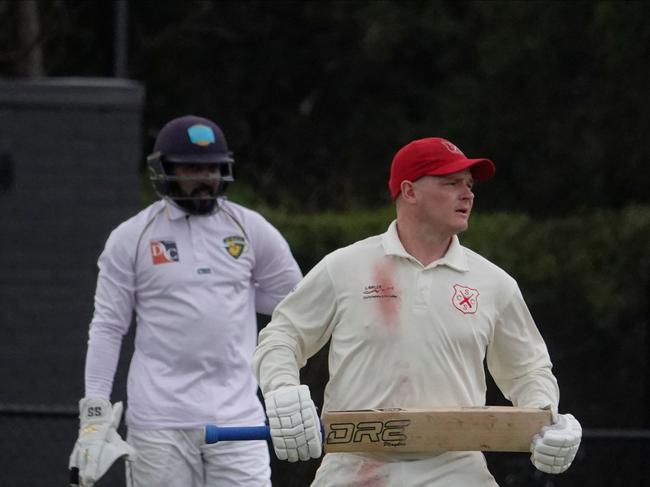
(189,140)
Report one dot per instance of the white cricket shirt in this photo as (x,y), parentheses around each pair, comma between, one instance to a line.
(194,284)
(406,335)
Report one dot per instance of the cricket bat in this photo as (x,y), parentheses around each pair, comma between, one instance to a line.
(486,428)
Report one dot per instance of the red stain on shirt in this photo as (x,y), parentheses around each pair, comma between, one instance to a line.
(369,474)
(387,299)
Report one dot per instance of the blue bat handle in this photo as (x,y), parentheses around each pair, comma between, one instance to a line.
(214,434)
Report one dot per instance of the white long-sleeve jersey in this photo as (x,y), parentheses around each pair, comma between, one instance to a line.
(194,284)
(407,335)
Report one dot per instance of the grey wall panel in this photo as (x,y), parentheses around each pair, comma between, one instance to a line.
(75,150)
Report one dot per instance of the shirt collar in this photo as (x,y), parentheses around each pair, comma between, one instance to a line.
(455,256)
(173,212)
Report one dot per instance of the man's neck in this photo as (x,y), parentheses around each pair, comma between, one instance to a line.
(422,243)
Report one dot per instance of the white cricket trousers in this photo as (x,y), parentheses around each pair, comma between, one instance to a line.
(181,458)
(452,469)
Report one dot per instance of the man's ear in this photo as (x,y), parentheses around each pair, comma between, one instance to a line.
(408,191)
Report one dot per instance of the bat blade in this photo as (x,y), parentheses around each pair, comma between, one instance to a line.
(488,428)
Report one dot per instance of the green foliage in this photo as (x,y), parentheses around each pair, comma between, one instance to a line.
(312,236)
(316,97)
(596,263)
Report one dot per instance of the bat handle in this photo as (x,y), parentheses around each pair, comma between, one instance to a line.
(214,434)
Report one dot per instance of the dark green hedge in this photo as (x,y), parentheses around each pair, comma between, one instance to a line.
(312,236)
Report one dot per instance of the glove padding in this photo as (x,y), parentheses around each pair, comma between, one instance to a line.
(294,424)
(99,444)
(555,446)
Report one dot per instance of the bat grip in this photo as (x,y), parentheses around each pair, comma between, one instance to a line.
(215,434)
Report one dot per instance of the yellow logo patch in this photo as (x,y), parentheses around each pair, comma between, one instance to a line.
(234,245)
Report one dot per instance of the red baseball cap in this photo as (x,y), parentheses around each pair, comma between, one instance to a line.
(433,156)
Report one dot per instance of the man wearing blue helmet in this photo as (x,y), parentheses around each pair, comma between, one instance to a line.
(195,269)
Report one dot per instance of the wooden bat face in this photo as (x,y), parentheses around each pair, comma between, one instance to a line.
(489,428)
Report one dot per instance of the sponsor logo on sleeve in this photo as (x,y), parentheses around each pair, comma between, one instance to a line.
(163,251)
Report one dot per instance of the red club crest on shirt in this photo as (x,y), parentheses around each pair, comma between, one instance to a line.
(465,299)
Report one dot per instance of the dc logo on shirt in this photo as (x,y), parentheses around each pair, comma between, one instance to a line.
(163,251)
(465,299)
(234,245)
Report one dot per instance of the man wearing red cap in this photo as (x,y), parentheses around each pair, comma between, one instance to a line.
(411,316)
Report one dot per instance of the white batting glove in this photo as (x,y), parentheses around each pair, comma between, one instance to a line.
(555,446)
(294,424)
(99,444)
